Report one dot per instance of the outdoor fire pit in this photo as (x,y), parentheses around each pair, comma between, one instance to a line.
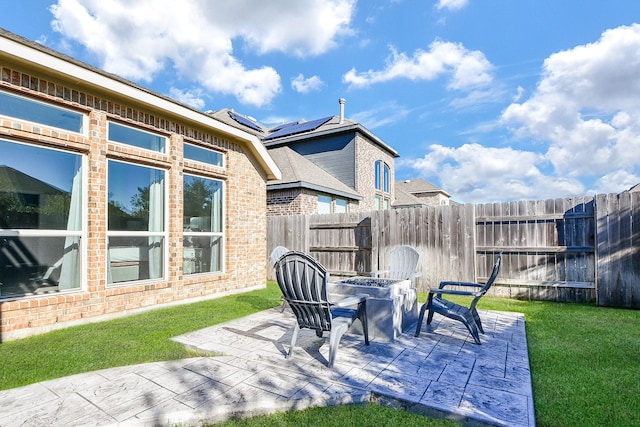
(392,305)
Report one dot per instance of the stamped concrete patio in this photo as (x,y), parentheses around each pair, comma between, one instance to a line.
(441,373)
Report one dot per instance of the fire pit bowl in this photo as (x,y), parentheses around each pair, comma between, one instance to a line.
(369,281)
(392,305)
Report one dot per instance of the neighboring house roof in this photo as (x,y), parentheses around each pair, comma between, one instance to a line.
(635,188)
(57,63)
(419,186)
(414,192)
(404,199)
(298,171)
(15,181)
(297,131)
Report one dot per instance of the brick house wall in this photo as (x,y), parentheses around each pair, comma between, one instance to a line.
(244,202)
(293,201)
(367,153)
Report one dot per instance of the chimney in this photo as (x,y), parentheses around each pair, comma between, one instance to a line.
(342,101)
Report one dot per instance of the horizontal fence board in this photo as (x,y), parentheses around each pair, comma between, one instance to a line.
(536,249)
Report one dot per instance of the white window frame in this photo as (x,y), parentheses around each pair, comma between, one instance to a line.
(125,233)
(82,234)
(221,234)
(222,155)
(166,140)
(84,116)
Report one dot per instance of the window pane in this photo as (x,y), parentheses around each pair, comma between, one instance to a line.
(377,175)
(38,112)
(137,137)
(39,188)
(36,265)
(135,258)
(202,254)
(136,197)
(341,206)
(386,178)
(324,204)
(202,204)
(378,202)
(193,152)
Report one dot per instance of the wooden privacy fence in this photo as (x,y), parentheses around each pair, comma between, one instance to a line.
(574,249)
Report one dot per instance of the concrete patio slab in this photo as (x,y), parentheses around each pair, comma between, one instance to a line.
(440,373)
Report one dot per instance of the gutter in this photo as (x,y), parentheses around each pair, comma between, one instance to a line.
(315,187)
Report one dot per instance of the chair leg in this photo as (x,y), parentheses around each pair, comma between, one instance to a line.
(294,337)
(334,340)
(470,323)
(476,317)
(362,315)
(420,318)
(429,317)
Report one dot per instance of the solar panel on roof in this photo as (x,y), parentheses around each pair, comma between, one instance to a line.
(282,126)
(245,121)
(299,128)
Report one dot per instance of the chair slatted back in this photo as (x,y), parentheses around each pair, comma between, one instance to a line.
(492,278)
(303,282)
(403,262)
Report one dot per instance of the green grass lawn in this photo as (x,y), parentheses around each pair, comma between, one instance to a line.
(585,360)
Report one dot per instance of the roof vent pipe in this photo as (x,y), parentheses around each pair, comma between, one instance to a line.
(342,101)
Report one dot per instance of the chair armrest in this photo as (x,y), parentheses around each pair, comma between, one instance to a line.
(414,275)
(452,292)
(349,300)
(463,284)
(377,273)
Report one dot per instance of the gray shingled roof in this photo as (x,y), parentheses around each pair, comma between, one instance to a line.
(402,198)
(418,185)
(298,171)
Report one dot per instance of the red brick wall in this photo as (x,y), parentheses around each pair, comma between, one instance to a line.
(245,209)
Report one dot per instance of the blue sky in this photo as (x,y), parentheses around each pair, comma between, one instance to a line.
(492,100)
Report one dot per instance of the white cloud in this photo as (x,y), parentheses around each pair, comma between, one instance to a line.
(474,173)
(138,40)
(381,115)
(615,182)
(586,108)
(584,114)
(466,69)
(192,98)
(451,4)
(305,85)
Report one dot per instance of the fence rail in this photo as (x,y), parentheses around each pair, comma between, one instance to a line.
(574,249)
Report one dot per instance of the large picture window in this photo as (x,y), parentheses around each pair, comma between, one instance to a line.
(203,225)
(41,219)
(136,222)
